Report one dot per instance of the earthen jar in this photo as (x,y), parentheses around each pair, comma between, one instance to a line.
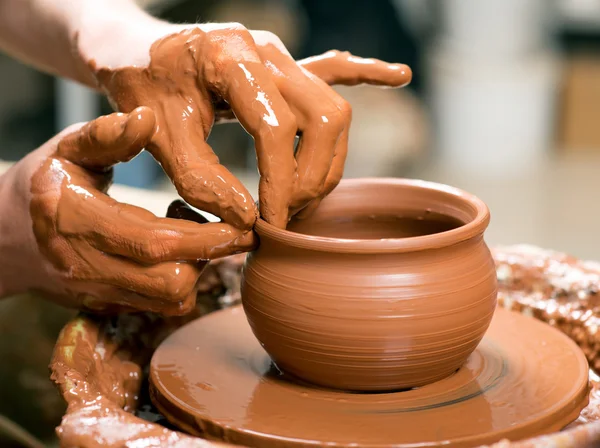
(388,285)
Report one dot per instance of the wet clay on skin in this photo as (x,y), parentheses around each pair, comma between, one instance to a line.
(101,255)
(98,364)
(197,77)
(213,379)
(378,312)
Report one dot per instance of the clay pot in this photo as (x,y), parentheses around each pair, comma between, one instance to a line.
(388,285)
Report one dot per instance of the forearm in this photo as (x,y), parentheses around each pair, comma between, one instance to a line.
(19,258)
(54,36)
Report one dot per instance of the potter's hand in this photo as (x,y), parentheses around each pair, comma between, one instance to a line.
(84,249)
(196,75)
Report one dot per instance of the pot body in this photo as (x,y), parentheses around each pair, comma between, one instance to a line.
(369,321)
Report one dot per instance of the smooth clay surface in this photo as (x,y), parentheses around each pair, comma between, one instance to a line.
(213,379)
(388,285)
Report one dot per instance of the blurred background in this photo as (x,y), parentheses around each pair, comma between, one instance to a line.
(505,103)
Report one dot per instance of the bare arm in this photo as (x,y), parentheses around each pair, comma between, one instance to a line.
(59,37)
(190,76)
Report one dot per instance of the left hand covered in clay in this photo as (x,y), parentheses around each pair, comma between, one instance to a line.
(64,237)
(192,76)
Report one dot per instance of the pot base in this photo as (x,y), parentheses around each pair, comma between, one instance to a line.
(211,378)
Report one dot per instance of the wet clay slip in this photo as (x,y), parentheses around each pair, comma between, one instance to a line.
(214,72)
(86,250)
(212,379)
(388,285)
(100,365)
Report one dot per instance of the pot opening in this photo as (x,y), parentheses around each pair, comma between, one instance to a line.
(385,215)
(405,224)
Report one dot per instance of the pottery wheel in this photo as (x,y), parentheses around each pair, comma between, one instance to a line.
(213,379)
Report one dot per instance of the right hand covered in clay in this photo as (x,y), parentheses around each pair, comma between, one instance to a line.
(62,235)
(192,76)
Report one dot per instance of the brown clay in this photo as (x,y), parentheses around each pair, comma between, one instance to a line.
(565,277)
(99,365)
(375,313)
(213,379)
(100,378)
(86,250)
(209,73)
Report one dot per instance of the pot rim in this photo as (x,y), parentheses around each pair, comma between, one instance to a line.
(465,232)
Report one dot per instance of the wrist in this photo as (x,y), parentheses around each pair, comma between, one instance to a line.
(107,34)
(21,263)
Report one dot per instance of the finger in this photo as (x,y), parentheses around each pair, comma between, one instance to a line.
(156,305)
(137,302)
(112,298)
(184,118)
(333,177)
(109,140)
(336,171)
(319,121)
(169,281)
(193,167)
(180,308)
(180,210)
(263,112)
(320,131)
(336,67)
(135,233)
(254,98)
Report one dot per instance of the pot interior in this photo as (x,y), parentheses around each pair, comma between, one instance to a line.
(382,211)
(357,224)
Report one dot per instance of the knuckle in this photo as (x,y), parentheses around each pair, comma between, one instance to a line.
(237,26)
(288,124)
(188,304)
(263,37)
(337,117)
(239,34)
(335,121)
(146,252)
(312,189)
(63,260)
(151,249)
(332,181)
(175,290)
(197,179)
(345,109)
(178,282)
(76,127)
(339,54)
(187,184)
(178,309)
(43,207)
(267,35)
(231,44)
